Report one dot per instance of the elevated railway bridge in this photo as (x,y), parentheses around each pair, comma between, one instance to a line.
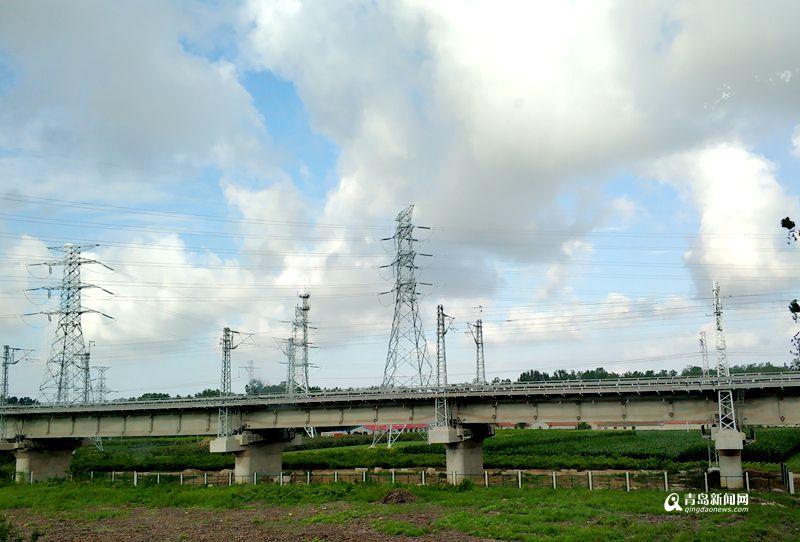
(44,436)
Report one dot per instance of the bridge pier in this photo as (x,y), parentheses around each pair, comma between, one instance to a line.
(729,444)
(256,453)
(463,448)
(41,459)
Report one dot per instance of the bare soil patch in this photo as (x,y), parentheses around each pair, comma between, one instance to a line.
(268,524)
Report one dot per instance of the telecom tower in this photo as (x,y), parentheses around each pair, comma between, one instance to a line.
(704,352)
(407,361)
(727,415)
(9,358)
(441,413)
(66,378)
(476,330)
(229,343)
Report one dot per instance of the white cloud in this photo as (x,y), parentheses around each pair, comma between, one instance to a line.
(738,197)
(112,95)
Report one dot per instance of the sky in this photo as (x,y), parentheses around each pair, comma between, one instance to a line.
(586,169)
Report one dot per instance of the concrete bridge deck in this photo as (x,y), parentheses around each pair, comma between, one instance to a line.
(44,435)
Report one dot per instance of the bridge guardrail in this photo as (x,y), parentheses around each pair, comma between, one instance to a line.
(562,387)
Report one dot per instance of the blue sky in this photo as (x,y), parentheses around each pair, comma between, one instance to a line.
(586,175)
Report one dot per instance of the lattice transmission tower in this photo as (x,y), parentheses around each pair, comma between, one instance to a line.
(101,390)
(441,411)
(296,350)
(66,378)
(407,361)
(727,414)
(230,341)
(11,356)
(476,330)
(704,353)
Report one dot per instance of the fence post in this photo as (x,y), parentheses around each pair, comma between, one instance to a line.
(455,480)
(590,480)
(31,477)
(519,479)
(181,478)
(486,478)
(554,479)
(363,476)
(280,478)
(158,478)
(393,476)
(112,475)
(308,478)
(791,482)
(627,481)
(705,479)
(91,476)
(423,478)
(230,478)
(205,478)
(255,478)
(135,478)
(666,482)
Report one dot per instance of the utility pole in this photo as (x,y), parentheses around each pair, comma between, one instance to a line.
(229,343)
(704,352)
(441,413)
(727,415)
(66,380)
(9,358)
(407,361)
(476,330)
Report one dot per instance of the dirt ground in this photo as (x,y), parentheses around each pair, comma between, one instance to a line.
(245,525)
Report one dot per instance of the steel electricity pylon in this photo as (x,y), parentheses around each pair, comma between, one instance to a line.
(441,411)
(11,356)
(101,390)
(476,330)
(296,350)
(66,378)
(408,363)
(727,414)
(704,352)
(230,341)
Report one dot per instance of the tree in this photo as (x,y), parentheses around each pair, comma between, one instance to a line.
(208,392)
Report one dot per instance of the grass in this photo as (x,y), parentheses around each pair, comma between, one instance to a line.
(533,514)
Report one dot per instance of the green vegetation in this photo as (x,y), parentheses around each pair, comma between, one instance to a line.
(532,514)
(509,448)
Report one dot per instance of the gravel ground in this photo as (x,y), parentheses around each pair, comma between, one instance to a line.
(181,524)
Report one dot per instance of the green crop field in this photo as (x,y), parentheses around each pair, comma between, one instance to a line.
(509,448)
